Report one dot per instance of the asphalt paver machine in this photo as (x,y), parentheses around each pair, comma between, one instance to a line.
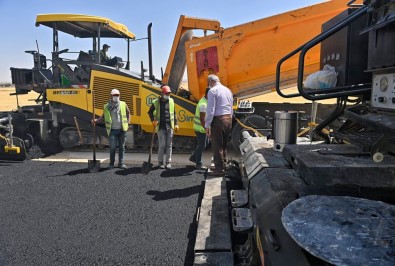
(331,202)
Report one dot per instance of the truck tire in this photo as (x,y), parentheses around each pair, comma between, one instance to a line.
(255,121)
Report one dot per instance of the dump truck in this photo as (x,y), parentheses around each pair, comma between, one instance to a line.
(247,73)
(327,202)
(245,56)
(62,120)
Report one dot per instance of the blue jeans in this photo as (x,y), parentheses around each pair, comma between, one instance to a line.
(117,136)
(201,143)
(165,137)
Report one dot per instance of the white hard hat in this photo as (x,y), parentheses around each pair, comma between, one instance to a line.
(115,92)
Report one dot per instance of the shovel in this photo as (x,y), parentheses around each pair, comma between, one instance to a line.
(94,165)
(147,166)
(78,129)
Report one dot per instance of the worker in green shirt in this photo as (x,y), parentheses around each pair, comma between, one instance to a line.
(200,132)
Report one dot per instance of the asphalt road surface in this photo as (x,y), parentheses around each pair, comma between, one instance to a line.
(55,213)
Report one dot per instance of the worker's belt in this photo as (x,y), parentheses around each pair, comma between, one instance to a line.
(223,116)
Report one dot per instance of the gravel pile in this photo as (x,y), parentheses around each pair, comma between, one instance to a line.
(59,214)
(34,153)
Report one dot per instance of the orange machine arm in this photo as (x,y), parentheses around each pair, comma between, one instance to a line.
(177,60)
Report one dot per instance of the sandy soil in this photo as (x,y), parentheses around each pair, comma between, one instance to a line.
(273,97)
(8,102)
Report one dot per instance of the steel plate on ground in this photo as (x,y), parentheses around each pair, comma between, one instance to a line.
(343,230)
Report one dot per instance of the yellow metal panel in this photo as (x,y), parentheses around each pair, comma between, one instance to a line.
(184,116)
(117,28)
(133,91)
(71,96)
(102,83)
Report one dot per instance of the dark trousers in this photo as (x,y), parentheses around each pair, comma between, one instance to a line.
(221,128)
(201,143)
(117,136)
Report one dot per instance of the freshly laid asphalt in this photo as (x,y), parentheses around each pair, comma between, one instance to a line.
(56,213)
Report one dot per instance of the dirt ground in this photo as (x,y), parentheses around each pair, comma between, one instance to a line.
(8,102)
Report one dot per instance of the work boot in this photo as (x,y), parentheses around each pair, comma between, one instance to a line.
(168,166)
(201,166)
(161,165)
(110,166)
(192,159)
(122,166)
(219,173)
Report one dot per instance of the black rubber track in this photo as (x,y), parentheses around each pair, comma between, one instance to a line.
(59,214)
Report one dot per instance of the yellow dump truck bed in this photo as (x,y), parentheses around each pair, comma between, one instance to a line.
(245,56)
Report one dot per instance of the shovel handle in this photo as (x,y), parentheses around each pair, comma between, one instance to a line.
(78,129)
(94,125)
(151,146)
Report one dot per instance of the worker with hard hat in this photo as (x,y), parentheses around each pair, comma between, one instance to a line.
(163,116)
(116,116)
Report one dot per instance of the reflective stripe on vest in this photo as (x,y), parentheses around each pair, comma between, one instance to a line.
(197,126)
(157,112)
(108,119)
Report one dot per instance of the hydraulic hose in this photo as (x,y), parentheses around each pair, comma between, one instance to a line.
(249,128)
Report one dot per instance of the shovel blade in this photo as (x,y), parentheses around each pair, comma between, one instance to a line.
(146,168)
(93,166)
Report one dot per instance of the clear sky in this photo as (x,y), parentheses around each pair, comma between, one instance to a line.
(19,33)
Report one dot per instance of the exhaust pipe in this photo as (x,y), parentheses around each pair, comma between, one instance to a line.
(151,76)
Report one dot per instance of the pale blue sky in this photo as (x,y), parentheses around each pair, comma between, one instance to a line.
(18,32)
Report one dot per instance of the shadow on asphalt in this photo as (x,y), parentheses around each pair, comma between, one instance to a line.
(185,171)
(129,171)
(8,163)
(180,193)
(164,173)
(83,171)
(174,193)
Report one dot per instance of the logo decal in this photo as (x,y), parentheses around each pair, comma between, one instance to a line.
(68,92)
(184,117)
(150,98)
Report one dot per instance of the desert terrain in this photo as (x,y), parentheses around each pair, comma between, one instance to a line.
(9,102)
